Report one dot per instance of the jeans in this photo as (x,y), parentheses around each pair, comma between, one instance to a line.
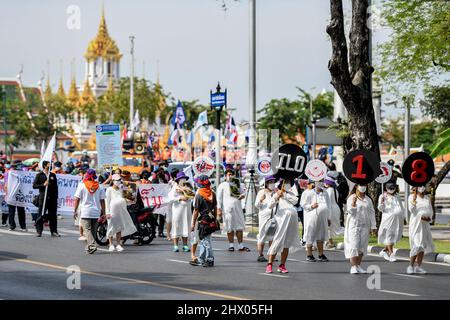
(206,250)
(12,213)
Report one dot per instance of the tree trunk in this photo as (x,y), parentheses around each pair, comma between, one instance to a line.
(350,76)
(434,184)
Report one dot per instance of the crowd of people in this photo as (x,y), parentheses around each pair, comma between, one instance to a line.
(326,209)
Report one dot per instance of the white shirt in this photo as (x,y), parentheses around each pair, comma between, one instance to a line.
(89,207)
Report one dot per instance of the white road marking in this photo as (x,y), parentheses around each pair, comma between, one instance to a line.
(400,293)
(273,275)
(408,275)
(69,231)
(16,233)
(101,249)
(179,261)
(295,260)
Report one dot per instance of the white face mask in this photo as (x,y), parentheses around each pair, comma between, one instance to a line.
(421,189)
(271,186)
(362,189)
(117,183)
(391,191)
(182,181)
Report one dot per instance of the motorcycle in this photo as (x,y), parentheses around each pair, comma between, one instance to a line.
(144,221)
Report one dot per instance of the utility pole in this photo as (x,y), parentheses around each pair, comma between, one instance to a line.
(132,84)
(407,101)
(4,120)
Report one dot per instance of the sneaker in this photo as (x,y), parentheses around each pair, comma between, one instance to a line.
(410,270)
(205,264)
(175,249)
(384,254)
(244,249)
(24,230)
(354,270)
(111,248)
(419,270)
(322,258)
(119,248)
(39,234)
(261,259)
(82,238)
(282,269)
(360,269)
(210,263)
(392,258)
(231,249)
(11,229)
(195,262)
(4,225)
(310,259)
(269,268)
(186,249)
(56,234)
(92,250)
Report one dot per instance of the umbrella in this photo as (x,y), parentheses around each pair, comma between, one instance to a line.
(30,161)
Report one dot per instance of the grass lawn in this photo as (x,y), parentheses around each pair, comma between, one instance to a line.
(441,246)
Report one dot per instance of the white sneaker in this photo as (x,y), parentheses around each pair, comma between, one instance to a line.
(419,270)
(384,254)
(119,248)
(111,248)
(24,230)
(392,258)
(360,269)
(82,238)
(410,270)
(354,270)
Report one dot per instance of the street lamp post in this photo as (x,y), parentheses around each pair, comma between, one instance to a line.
(313,151)
(132,83)
(4,120)
(218,107)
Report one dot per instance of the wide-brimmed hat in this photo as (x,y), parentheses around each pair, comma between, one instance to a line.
(330,181)
(181,175)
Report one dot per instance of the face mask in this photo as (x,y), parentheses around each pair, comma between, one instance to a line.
(271,186)
(8,166)
(362,189)
(117,183)
(182,181)
(287,186)
(421,189)
(391,191)
(229,178)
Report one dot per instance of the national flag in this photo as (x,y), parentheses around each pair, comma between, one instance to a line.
(42,149)
(136,121)
(230,129)
(124,134)
(179,116)
(202,119)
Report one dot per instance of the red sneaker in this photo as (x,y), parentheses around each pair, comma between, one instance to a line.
(282,269)
(269,268)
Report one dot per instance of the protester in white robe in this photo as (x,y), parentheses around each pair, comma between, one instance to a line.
(316,206)
(334,218)
(287,237)
(420,238)
(230,208)
(172,184)
(360,220)
(391,226)
(263,199)
(181,211)
(120,223)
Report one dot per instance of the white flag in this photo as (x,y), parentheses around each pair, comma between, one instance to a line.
(42,149)
(136,121)
(48,154)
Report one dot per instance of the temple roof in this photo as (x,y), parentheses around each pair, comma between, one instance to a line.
(103,45)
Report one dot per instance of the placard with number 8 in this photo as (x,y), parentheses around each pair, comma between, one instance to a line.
(418,169)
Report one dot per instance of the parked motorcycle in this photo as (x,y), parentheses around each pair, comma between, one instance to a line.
(144,221)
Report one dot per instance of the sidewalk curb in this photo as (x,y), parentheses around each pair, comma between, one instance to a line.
(404,253)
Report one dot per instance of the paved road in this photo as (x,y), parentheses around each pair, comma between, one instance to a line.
(35,268)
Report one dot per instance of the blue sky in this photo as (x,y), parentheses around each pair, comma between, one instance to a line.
(195,41)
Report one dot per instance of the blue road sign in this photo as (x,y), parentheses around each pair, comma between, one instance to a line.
(218,99)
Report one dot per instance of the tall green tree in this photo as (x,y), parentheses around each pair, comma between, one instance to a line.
(438,103)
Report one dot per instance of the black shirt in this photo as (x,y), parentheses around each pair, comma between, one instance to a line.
(52,192)
(203,206)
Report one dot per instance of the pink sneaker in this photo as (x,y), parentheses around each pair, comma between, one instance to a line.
(282,269)
(269,268)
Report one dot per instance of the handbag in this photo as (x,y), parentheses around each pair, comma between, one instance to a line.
(36,201)
(271,224)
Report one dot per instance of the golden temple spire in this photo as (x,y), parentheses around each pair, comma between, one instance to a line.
(73,97)
(87,96)
(61,93)
(48,89)
(103,45)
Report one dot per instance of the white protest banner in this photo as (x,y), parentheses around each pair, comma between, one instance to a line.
(21,192)
(155,195)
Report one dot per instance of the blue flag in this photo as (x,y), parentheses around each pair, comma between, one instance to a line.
(179,116)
